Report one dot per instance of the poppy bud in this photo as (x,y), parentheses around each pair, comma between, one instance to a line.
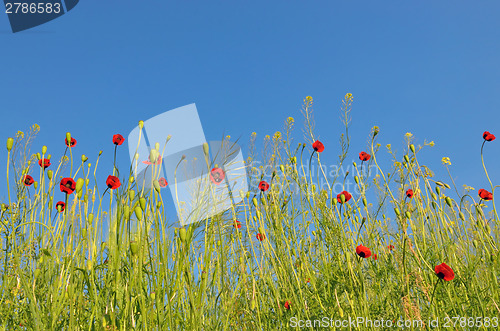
(434,197)
(438,190)
(141,124)
(342,198)
(68,138)
(138,213)
(156,185)
(356,179)
(412,148)
(84,232)
(153,295)
(446,185)
(90,217)
(261,229)
(354,164)
(407,159)
(100,152)
(205,149)
(182,234)
(396,210)
(168,138)
(408,215)
(49,156)
(79,194)
(462,216)
(79,184)
(85,197)
(37,272)
(158,206)
(134,247)
(282,168)
(131,179)
(35,184)
(365,202)
(448,201)
(84,158)
(434,205)
(126,212)
(10,143)
(153,156)
(44,149)
(263,201)
(259,215)
(253,304)
(293,160)
(49,174)
(38,156)
(142,202)
(131,194)
(255,202)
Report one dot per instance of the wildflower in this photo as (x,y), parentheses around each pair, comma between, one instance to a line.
(409,193)
(113,182)
(364,156)
(277,135)
(67,185)
(287,305)
(217,175)
(163,182)
(375,257)
(431,143)
(488,136)
(348,96)
(485,195)
(390,247)
(309,98)
(468,188)
(237,224)
(290,119)
(363,251)
(347,197)
(318,146)
(118,139)
(408,135)
(263,186)
(60,206)
(446,160)
(28,180)
(443,271)
(44,163)
(72,144)
(260,236)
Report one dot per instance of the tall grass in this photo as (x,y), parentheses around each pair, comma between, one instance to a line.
(57,274)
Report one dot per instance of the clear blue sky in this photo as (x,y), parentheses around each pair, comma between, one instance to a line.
(427,67)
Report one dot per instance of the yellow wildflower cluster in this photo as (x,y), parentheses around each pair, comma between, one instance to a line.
(446,160)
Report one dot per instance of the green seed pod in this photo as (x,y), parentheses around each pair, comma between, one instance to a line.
(263,201)
(475,243)
(79,184)
(126,212)
(79,194)
(448,201)
(408,215)
(84,233)
(153,156)
(412,148)
(44,149)
(158,206)
(354,164)
(49,157)
(182,234)
(462,216)
(90,217)
(446,185)
(131,179)
(68,138)
(206,149)
(434,197)
(35,184)
(134,247)
(10,143)
(253,304)
(282,168)
(49,174)
(365,203)
(131,194)
(396,210)
(255,202)
(38,156)
(434,205)
(261,230)
(142,202)
(342,198)
(138,213)
(407,159)
(438,190)
(85,197)
(156,185)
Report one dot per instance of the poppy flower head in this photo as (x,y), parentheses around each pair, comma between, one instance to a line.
(217,175)
(237,224)
(148,162)
(363,251)
(72,144)
(28,180)
(485,195)
(44,163)
(163,182)
(263,186)
(113,182)
(409,193)
(443,271)
(260,236)
(346,194)
(364,156)
(118,139)
(67,185)
(318,146)
(375,257)
(287,305)
(488,136)
(390,247)
(60,206)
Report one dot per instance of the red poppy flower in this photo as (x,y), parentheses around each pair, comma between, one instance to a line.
(162,182)
(346,194)
(67,185)
(260,236)
(287,305)
(28,180)
(263,186)
(308,280)
(364,156)
(488,136)
(148,162)
(443,271)
(237,224)
(60,206)
(217,175)
(113,182)
(318,146)
(485,195)
(44,163)
(363,251)
(409,193)
(73,142)
(374,257)
(391,247)
(118,139)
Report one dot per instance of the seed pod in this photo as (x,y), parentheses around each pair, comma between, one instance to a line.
(156,185)
(434,197)
(142,202)
(412,148)
(84,233)
(462,216)
(68,138)
(356,179)
(258,213)
(126,212)
(342,198)
(206,149)
(38,156)
(408,215)
(407,159)
(153,296)
(263,201)
(90,218)
(84,158)
(138,213)
(35,184)
(44,149)
(10,143)
(365,203)
(158,206)
(396,210)
(255,202)
(293,160)
(49,174)
(157,147)
(131,179)
(85,197)
(253,304)
(182,234)
(282,168)
(448,201)
(134,247)
(438,190)
(434,205)
(141,124)
(261,230)
(79,184)
(354,164)
(131,194)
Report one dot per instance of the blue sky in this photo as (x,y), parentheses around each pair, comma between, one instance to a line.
(426,67)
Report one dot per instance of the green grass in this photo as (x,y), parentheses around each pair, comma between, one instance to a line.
(57,274)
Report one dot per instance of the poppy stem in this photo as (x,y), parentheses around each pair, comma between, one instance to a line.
(433,292)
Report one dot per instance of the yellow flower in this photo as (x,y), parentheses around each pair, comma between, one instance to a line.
(446,160)
(408,135)
(290,119)
(277,135)
(20,134)
(228,137)
(348,96)
(431,144)
(309,98)
(468,188)
(254,134)
(267,137)
(388,146)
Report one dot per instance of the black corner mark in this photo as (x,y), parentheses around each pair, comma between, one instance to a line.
(26,14)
